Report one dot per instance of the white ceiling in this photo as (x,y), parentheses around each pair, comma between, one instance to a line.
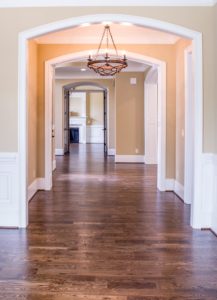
(123,34)
(57,3)
(73,70)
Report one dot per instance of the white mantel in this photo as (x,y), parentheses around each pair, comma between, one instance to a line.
(79,122)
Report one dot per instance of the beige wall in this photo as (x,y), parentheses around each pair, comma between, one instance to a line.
(77,105)
(129,114)
(32,113)
(59,84)
(215,76)
(180,109)
(161,52)
(17,20)
(95,108)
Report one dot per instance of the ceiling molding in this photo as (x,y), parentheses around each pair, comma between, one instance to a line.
(61,3)
(88,35)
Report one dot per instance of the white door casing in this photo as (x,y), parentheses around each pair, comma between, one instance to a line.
(189,127)
(146,22)
(161,74)
(151,117)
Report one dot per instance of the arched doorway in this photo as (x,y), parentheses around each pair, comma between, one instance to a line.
(90,87)
(145,22)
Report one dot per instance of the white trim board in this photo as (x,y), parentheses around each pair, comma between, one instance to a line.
(59,152)
(72,3)
(173,185)
(169,185)
(129,159)
(54,164)
(37,184)
(179,190)
(161,65)
(111,151)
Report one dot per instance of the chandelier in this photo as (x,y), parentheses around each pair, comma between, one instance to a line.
(105,65)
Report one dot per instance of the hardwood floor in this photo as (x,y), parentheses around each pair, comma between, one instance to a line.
(105,233)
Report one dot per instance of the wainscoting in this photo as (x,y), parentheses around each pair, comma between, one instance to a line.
(9,190)
(95,134)
(214,205)
(208,212)
(209,204)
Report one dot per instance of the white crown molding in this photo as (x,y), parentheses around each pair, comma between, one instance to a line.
(68,3)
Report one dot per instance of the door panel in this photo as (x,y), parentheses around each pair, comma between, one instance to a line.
(66,122)
(105,124)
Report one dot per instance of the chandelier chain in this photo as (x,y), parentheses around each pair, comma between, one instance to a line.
(107,66)
(113,41)
(100,44)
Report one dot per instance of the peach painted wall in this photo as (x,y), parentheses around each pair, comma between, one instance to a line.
(32,113)
(129,114)
(16,20)
(166,53)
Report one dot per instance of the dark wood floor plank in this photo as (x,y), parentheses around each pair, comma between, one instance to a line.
(105,232)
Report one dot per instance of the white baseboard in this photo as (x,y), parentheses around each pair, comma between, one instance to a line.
(59,151)
(129,158)
(111,151)
(54,164)
(37,184)
(179,190)
(169,184)
(173,185)
(150,160)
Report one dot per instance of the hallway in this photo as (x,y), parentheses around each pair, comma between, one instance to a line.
(104,232)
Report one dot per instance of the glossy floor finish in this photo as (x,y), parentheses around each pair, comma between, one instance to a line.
(105,233)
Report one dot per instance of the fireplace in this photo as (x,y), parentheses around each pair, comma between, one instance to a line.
(74,135)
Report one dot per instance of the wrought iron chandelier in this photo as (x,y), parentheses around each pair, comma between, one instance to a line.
(105,65)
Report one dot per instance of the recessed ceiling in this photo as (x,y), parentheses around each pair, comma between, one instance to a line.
(74,70)
(123,34)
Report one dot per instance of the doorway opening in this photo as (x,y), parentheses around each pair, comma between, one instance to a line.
(197,45)
(85,115)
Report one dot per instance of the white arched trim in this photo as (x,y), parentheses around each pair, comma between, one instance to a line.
(84,83)
(160,65)
(145,22)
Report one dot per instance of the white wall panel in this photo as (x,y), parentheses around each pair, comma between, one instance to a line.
(9,194)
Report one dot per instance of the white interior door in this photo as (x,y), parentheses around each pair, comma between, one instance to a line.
(66,122)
